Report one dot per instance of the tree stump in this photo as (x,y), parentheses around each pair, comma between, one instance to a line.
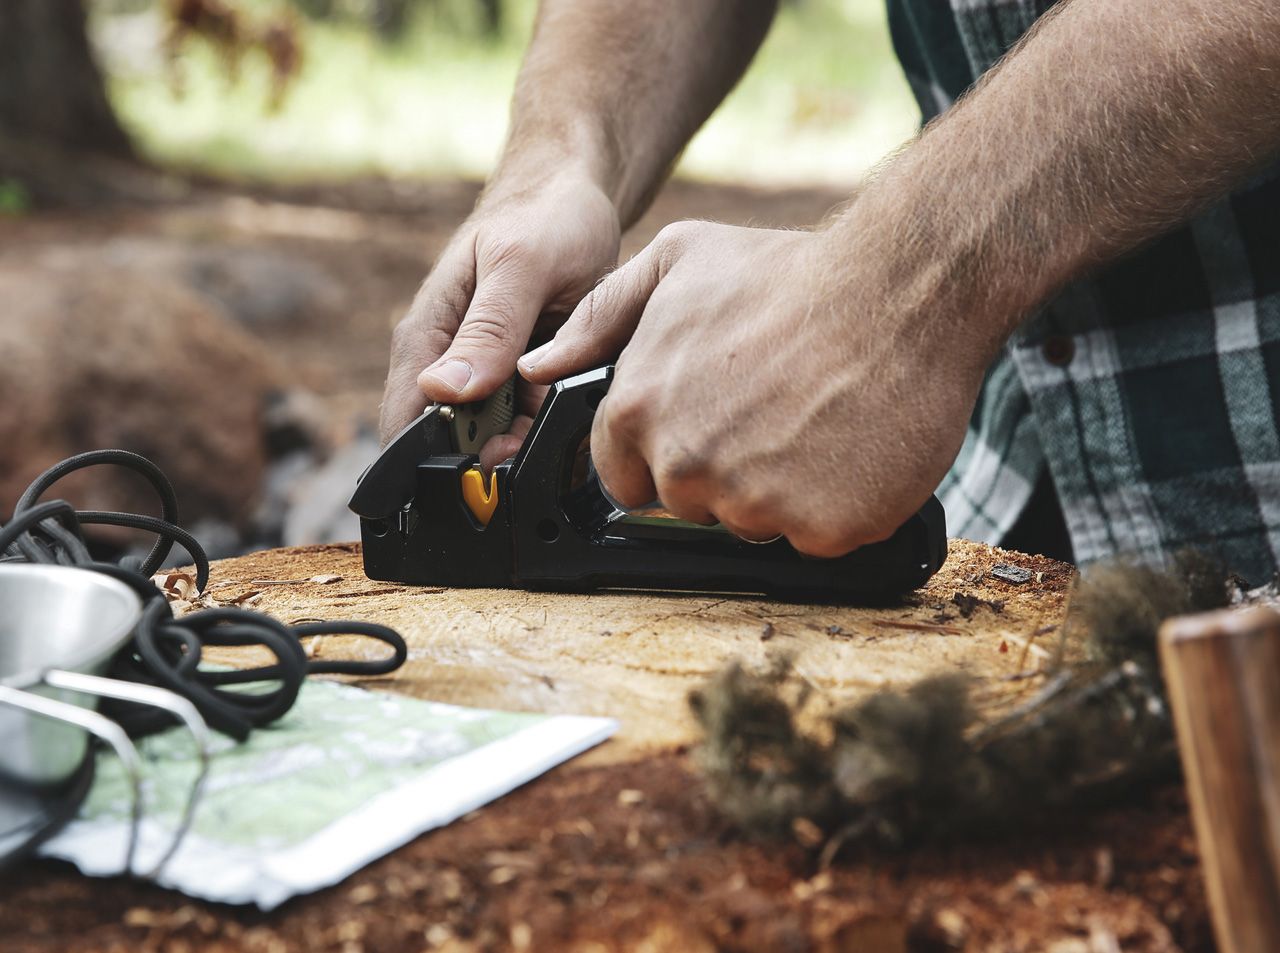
(635,656)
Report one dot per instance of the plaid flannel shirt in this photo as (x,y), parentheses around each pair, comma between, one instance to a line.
(1147,389)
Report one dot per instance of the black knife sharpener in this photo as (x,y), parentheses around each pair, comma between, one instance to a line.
(548,530)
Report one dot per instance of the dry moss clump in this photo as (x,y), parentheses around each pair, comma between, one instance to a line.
(922,763)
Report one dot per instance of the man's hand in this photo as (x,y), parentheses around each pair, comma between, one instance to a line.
(608,95)
(524,253)
(818,384)
(773,381)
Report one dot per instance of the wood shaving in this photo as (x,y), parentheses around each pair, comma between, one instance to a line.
(917,626)
(176,586)
(1029,647)
(324,580)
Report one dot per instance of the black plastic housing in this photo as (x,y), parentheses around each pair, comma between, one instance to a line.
(546,533)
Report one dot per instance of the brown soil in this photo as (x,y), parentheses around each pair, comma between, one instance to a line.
(632,857)
(375,238)
(620,850)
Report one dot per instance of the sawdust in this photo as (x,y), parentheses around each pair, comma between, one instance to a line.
(636,656)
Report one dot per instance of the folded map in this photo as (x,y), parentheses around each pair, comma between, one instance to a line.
(345,777)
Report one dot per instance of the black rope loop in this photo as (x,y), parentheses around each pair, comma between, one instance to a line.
(129,461)
(168,651)
(367,667)
(37,518)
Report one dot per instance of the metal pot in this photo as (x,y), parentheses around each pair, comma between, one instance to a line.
(60,627)
(55,618)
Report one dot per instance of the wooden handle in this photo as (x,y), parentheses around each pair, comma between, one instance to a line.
(1223,675)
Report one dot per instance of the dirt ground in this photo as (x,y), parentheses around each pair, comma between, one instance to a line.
(632,857)
(375,239)
(620,850)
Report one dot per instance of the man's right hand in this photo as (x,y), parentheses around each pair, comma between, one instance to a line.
(530,249)
(608,95)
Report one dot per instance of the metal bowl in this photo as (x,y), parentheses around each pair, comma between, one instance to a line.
(54,618)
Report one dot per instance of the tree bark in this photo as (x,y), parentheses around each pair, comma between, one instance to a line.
(51,90)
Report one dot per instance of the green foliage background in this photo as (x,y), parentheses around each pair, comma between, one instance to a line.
(824,101)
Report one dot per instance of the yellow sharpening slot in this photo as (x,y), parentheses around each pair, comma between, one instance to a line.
(481,500)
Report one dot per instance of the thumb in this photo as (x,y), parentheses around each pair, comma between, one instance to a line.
(495,329)
(421,337)
(600,325)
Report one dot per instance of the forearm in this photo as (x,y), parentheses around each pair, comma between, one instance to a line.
(616,88)
(1114,121)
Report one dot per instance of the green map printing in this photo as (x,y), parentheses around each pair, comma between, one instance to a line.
(338,747)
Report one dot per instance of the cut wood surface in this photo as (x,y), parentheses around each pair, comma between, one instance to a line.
(635,656)
(622,850)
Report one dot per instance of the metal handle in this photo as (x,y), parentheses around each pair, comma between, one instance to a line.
(100,727)
(154,697)
(108,731)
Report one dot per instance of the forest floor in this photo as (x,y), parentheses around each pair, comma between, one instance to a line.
(567,863)
(375,240)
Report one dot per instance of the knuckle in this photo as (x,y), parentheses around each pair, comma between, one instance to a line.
(444,293)
(404,335)
(446,306)
(593,317)
(877,532)
(679,469)
(674,241)
(503,250)
(486,329)
(588,318)
(678,234)
(625,413)
(750,508)
(823,542)
(413,338)
(607,301)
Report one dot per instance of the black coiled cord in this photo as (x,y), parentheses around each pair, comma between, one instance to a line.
(69,551)
(166,651)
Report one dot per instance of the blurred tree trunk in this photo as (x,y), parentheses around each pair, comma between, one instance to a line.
(60,141)
(491,12)
(390,17)
(51,91)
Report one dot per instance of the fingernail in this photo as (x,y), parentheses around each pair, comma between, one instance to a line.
(536,356)
(452,374)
